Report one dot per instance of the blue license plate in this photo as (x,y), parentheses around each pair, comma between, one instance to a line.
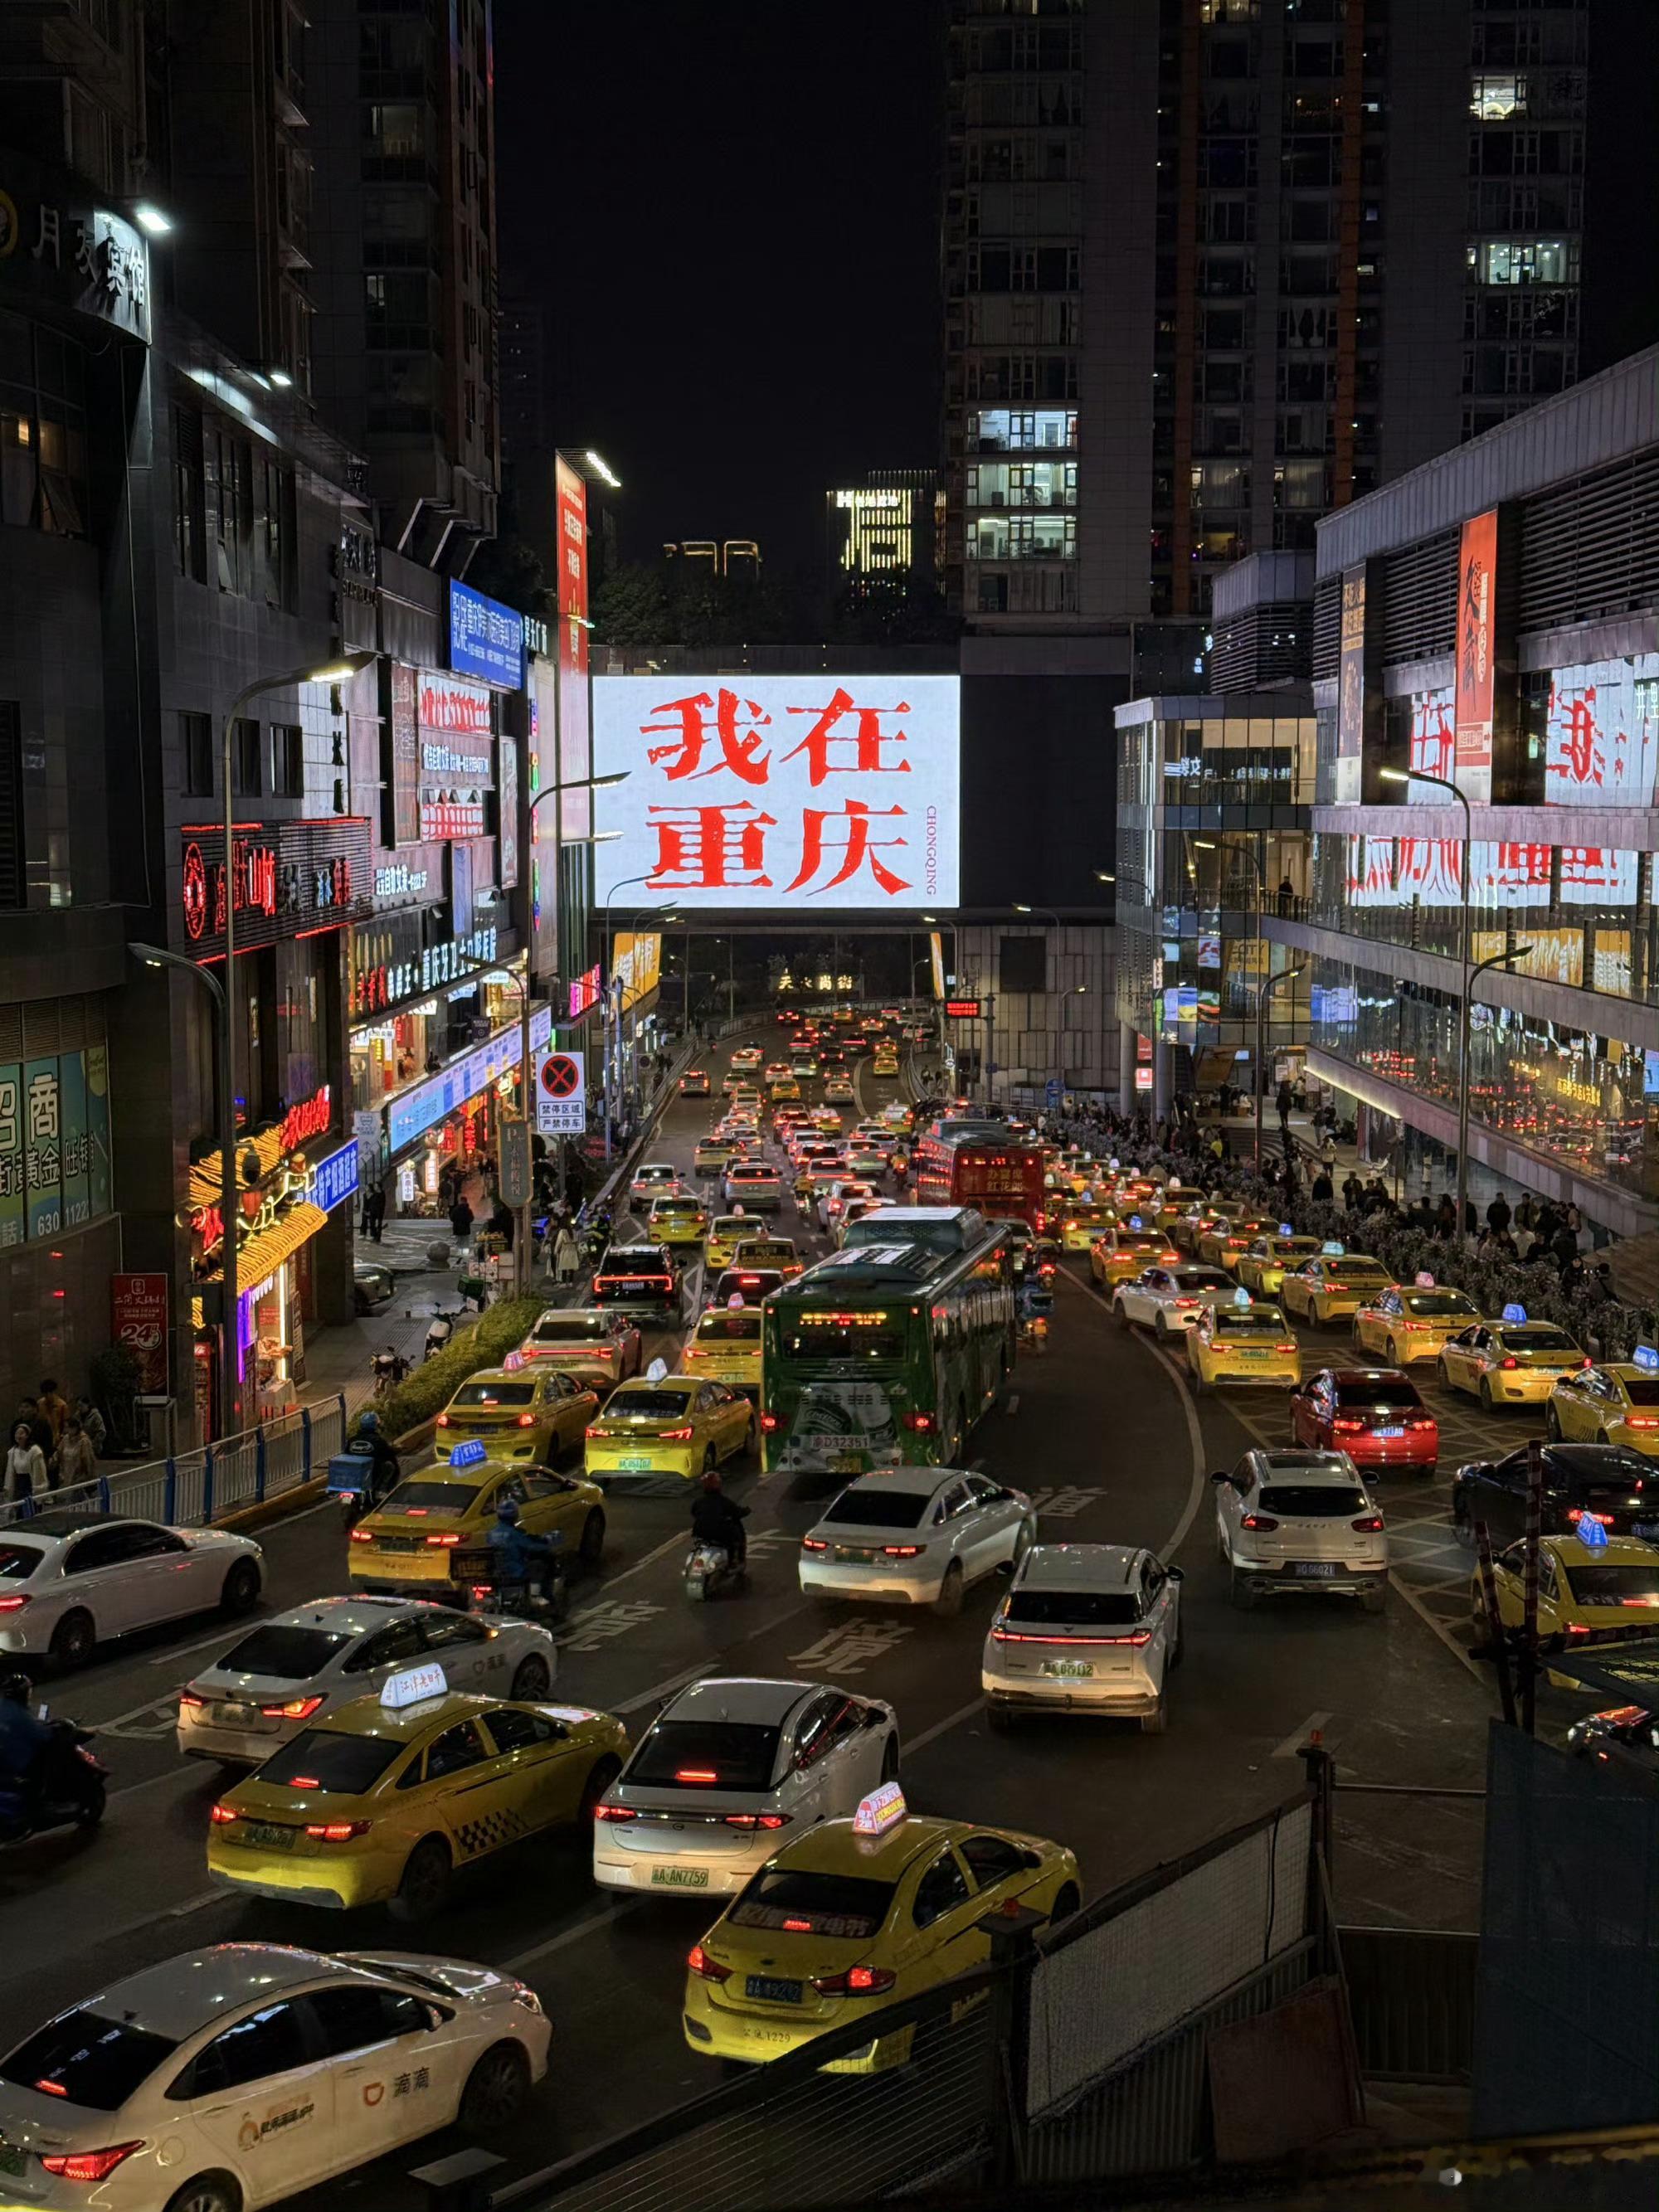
(775,1991)
(1389,1432)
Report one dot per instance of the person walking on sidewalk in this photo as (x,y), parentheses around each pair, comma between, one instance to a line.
(26,1466)
(373,1211)
(567,1256)
(77,1462)
(460,1218)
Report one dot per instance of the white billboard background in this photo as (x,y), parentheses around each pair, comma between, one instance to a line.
(786,793)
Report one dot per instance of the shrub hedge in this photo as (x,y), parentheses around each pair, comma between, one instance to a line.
(483,1342)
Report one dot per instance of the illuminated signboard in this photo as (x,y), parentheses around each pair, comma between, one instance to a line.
(793,794)
(963,1010)
(412,1113)
(286,880)
(585,991)
(334,1180)
(486,640)
(636,964)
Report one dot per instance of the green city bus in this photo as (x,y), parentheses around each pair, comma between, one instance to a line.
(887,1352)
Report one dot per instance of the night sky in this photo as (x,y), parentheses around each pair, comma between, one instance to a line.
(732,207)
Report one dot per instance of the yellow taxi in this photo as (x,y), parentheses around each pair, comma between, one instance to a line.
(1511,1361)
(758,1250)
(726,1348)
(783,1087)
(408,1545)
(856,1914)
(1263,1268)
(1410,1321)
(1615,1404)
(523,1409)
(1197,1220)
(1244,1342)
(1605,1591)
(663,1424)
(886,1061)
(711,1155)
(1224,1242)
(383,1800)
(725,1232)
(677,1221)
(1332,1285)
(1123,1252)
(746,1099)
(695,1084)
(827,1122)
(1080,1220)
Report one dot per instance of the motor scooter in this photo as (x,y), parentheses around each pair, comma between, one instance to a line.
(709,1569)
(70,1793)
(478,1576)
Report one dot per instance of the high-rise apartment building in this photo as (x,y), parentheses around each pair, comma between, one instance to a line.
(1214,268)
(884,527)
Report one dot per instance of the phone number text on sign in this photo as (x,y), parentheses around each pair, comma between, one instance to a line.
(796,792)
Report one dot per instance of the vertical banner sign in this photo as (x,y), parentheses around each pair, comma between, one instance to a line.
(575,749)
(1351,688)
(936,952)
(11,1154)
(78,1141)
(515,1166)
(101,1159)
(138,1321)
(506,826)
(43,1146)
(1477,594)
(405,756)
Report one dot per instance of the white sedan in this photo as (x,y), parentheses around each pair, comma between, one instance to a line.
(916,1535)
(1168,1300)
(1302,1521)
(228,2078)
(730,1768)
(1085,1628)
(286,1669)
(71,1581)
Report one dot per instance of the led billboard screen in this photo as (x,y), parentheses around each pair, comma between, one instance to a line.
(792,793)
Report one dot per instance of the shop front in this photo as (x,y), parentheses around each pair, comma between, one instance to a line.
(430,1136)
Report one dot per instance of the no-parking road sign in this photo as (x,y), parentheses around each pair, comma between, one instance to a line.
(561,1095)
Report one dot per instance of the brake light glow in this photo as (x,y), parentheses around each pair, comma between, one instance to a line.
(1137,1637)
(1188,1305)
(86,2165)
(674,1436)
(296,1709)
(1258,1522)
(52,2088)
(1289,1345)
(814,1544)
(1509,1360)
(769,1423)
(1584,1513)
(856,1982)
(757,1819)
(190,1697)
(1642,1420)
(900,1551)
(361,1536)
(15,1602)
(923,1425)
(221,1816)
(1345,1425)
(337,1831)
(1369,1524)
(442,1421)
(445,1543)
(709,1969)
(527,1420)
(695,1774)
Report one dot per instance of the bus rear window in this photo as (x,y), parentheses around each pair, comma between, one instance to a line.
(863,1336)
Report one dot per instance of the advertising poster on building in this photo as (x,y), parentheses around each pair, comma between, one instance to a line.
(457,755)
(575,738)
(637,965)
(43,1146)
(1351,688)
(403,738)
(12,1212)
(1477,605)
(1434,743)
(138,1322)
(1602,733)
(507,826)
(784,794)
(76,1140)
(486,640)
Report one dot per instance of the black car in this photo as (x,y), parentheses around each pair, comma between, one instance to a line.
(1617,1485)
(637,1275)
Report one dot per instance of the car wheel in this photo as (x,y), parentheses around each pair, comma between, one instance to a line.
(1462,1526)
(1155,1722)
(708,1459)
(1485,1395)
(1391,1351)
(1239,1591)
(425,1883)
(889,1760)
(600,1776)
(495,2091)
(241,1591)
(591,1550)
(1553,1425)
(1376,1598)
(948,1603)
(1065,1904)
(73,1641)
(1120,1313)
(208,2192)
(1161,1329)
(91,1810)
(1441,1375)
(533,1679)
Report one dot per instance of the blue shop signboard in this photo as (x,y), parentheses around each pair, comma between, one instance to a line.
(486,640)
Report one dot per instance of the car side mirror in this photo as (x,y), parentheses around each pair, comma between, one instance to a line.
(1220,1474)
(1176,1574)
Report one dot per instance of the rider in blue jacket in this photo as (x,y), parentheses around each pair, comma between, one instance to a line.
(521,1556)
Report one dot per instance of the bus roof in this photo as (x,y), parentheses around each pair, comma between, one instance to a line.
(893,1265)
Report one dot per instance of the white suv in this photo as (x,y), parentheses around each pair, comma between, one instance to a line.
(1085,1628)
(1301,1521)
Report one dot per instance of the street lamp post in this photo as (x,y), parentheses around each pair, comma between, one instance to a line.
(336,671)
(1444,783)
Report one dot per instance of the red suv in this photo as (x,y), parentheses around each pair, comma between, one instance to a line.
(1375,1415)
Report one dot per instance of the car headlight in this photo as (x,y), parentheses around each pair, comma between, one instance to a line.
(524,1995)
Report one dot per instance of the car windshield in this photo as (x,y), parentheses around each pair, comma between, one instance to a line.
(19,1561)
(705,1754)
(424,1497)
(336,1765)
(798,1902)
(89,2060)
(648,1405)
(1541,1340)
(861,1508)
(293,1653)
(1087,1608)
(570,1329)
(1620,1585)
(1310,1501)
(1249,1321)
(730,1328)
(495,1393)
(1378,1391)
(1438,1302)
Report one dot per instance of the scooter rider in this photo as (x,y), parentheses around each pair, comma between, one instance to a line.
(521,1557)
(24,1738)
(716,1519)
(385,1470)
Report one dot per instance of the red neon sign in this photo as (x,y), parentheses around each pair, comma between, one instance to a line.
(308,1119)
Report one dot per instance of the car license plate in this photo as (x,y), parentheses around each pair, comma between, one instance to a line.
(776,1992)
(675,1877)
(12,2159)
(399,1543)
(1317,1567)
(1068,1670)
(268,1837)
(636,1463)
(851,1552)
(233,1716)
(849,1463)
(1390,1432)
(1252,1352)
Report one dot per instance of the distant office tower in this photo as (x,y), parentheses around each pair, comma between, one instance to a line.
(884,526)
(1214,268)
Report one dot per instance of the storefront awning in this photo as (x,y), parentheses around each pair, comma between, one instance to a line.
(263,1254)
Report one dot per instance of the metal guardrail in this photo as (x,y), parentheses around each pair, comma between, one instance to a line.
(1412,1993)
(196,1487)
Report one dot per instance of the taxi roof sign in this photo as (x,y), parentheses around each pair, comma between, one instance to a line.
(1241,1296)
(1645,1356)
(736,1299)
(1135,1221)
(1515,1313)
(882,1809)
(471,1454)
(413,1686)
(656,1371)
(1424,1279)
(1332,1249)
(513,1362)
(1285,1230)
(1591,1533)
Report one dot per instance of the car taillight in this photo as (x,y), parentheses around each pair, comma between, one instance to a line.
(361,1536)
(1258,1522)
(674,1436)
(222,1815)
(1289,1345)
(89,2165)
(1345,1425)
(814,1544)
(1577,1628)
(856,1982)
(1420,1420)
(1369,1524)
(900,1551)
(296,1709)
(1642,1420)
(1138,1637)
(1187,1305)
(769,1423)
(1586,1361)
(614,1813)
(757,1819)
(692,1352)
(595,1430)
(923,1425)
(1510,1361)
(336,1831)
(190,1697)
(527,1420)
(442,1421)
(15,1602)
(445,1543)
(710,1970)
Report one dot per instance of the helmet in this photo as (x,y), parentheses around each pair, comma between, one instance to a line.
(507,1510)
(711,1481)
(369,1422)
(16,1688)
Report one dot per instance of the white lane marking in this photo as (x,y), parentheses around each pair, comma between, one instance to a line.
(911,1745)
(588,1927)
(660,1690)
(1195,1435)
(1298,1737)
(224,1636)
(168,1697)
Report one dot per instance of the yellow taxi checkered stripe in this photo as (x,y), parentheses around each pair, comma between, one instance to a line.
(489,1830)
